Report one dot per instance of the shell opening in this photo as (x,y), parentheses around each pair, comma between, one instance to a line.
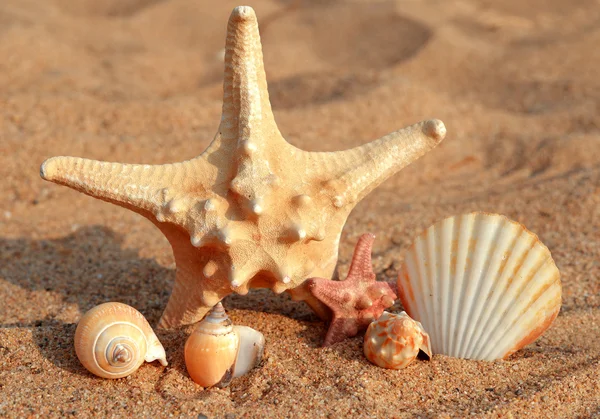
(226,380)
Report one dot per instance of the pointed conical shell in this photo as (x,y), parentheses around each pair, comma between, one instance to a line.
(211,349)
(113,339)
(252,345)
(483,286)
(394,341)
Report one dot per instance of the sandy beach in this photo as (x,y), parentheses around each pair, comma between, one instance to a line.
(140,81)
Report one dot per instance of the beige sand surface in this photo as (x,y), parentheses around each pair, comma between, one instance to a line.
(516,82)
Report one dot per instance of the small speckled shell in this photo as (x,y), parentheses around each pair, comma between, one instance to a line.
(394,341)
(113,339)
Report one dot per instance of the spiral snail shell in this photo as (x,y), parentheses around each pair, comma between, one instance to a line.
(218,351)
(112,340)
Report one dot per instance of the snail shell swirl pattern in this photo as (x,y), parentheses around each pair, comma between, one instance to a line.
(112,340)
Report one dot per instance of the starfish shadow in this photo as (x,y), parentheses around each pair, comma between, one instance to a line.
(86,268)
(54,340)
(266,301)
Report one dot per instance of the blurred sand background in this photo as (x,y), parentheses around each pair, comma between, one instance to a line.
(516,82)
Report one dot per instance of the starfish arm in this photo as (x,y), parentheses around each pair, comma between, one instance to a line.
(302,293)
(141,188)
(199,281)
(361,266)
(340,329)
(247,133)
(352,174)
(185,305)
(332,293)
(247,114)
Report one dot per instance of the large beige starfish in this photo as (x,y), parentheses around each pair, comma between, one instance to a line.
(252,210)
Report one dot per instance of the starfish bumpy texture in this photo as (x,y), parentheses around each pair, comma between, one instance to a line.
(356,301)
(252,210)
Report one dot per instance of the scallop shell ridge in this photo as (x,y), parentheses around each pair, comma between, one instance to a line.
(483,286)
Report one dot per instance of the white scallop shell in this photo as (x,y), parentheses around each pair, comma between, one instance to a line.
(394,341)
(483,286)
(113,339)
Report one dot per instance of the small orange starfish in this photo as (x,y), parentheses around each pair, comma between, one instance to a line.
(356,301)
